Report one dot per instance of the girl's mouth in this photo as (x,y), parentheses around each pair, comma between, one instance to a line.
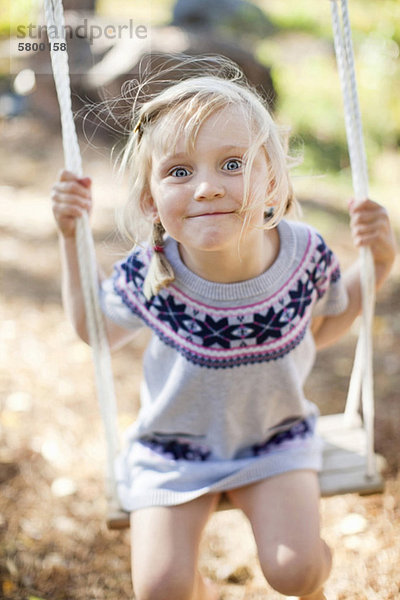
(213,214)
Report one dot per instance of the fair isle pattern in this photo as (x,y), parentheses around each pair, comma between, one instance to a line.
(226,337)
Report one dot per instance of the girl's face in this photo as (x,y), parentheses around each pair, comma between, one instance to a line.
(198,194)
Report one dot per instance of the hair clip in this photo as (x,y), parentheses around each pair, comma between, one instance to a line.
(158,248)
(139,127)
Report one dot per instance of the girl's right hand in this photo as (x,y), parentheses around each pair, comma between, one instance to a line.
(71,197)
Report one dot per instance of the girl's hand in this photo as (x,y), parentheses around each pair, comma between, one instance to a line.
(370,226)
(71,197)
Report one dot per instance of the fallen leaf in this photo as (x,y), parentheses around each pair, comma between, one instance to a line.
(8,587)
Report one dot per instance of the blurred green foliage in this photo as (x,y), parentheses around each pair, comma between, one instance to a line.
(17,12)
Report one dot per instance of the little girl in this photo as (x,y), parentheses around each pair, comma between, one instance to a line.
(238,299)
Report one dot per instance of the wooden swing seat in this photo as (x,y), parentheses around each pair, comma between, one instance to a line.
(344,469)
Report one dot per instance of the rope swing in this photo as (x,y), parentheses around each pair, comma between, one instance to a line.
(86,252)
(361,383)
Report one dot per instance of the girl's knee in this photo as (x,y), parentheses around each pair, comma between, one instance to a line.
(299,574)
(294,580)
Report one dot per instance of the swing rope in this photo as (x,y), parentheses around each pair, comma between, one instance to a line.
(361,379)
(85,249)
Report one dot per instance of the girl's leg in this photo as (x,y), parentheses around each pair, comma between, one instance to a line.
(284,514)
(165,541)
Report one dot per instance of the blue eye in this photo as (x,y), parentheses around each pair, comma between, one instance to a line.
(233,164)
(179,172)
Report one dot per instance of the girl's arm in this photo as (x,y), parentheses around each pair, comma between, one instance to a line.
(370,226)
(70,198)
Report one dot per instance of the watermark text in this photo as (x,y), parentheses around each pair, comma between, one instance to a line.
(85,30)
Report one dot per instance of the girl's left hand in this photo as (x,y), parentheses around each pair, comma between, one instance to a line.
(370,226)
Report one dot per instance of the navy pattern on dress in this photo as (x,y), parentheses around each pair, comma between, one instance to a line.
(180,448)
(227,337)
(299,431)
(176,448)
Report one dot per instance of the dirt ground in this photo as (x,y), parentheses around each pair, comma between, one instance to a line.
(54,544)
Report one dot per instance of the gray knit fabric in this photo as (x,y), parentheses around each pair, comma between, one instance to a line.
(222,402)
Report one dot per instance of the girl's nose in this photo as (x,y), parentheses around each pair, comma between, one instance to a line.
(207,190)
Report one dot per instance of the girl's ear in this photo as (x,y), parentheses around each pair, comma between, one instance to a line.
(147,204)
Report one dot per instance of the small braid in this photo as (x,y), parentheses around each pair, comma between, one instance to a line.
(160,273)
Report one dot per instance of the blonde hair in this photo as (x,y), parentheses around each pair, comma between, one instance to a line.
(180,110)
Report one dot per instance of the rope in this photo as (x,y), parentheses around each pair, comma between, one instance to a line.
(85,249)
(361,381)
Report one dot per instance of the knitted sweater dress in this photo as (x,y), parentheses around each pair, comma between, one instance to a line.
(222,401)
